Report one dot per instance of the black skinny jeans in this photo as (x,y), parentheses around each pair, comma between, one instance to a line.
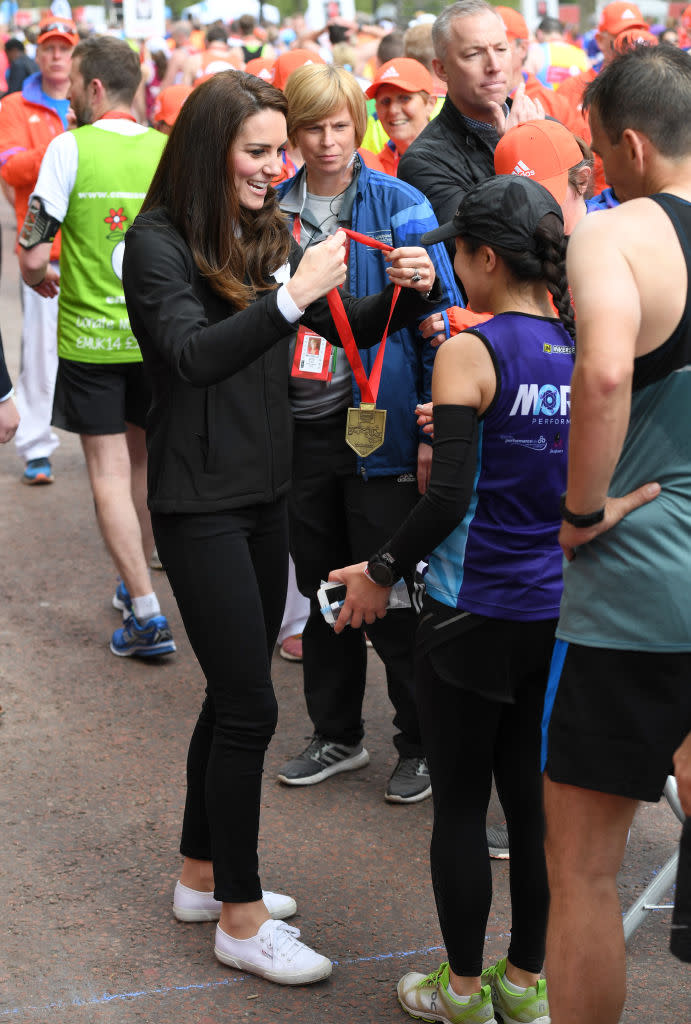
(467,738)
(228,571)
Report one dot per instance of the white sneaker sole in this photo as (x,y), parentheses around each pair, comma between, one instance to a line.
(158,651)
(287,656)
(347,765)
(319,972)
(190,915)
(393,798)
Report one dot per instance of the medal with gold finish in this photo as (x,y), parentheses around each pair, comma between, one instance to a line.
(365,425)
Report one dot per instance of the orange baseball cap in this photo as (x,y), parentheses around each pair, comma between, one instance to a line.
(57,28)
(168,103)
(631,37)
(542,150)
(261,67)
(514,23)
(291,61)
(404,73)
(620,15)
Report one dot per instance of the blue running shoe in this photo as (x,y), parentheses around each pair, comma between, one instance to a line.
(143,639)
(121,598)
(38,471)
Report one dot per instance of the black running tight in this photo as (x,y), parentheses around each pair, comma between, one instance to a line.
(467,738)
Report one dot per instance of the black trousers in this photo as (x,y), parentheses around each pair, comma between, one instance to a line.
(336,519)
(228,571)
(467,737)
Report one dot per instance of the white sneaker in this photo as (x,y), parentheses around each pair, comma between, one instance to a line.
(274,953)
(193,905)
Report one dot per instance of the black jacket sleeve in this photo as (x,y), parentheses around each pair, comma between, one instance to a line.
(5,382)
(166,312)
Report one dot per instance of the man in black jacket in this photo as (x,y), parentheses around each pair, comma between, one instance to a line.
(456,149)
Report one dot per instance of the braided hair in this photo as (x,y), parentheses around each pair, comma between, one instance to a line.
(546,261)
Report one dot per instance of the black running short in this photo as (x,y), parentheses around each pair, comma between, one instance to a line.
(613,718)
(96,398)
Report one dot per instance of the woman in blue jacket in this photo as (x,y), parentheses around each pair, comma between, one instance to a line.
(339,501)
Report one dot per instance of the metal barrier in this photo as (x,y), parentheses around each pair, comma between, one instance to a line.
(664,879)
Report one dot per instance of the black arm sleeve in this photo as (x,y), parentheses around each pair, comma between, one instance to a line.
(442,507)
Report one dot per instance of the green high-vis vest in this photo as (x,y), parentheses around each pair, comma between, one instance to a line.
(113,176)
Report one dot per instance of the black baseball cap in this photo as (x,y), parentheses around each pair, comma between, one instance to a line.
(502,211)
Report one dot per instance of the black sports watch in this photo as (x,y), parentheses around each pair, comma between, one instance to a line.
(580,521)
(382,569)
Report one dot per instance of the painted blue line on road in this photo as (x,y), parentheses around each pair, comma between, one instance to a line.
(108,997)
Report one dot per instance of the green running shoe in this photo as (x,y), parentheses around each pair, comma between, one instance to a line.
(427,997)
(530,1007)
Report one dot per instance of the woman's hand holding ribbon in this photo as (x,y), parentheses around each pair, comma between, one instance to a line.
(321,268)
(411,267)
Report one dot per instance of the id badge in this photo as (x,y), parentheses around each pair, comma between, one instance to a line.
(312,358)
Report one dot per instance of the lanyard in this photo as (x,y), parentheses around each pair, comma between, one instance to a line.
(368,388)
(119,115)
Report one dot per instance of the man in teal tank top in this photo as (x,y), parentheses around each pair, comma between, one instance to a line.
(92,184)
(618,705)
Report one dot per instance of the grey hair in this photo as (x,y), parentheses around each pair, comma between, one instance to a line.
(441,30)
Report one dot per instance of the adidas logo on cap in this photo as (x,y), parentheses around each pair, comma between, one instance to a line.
(390,73)
(523,170)
(629,15)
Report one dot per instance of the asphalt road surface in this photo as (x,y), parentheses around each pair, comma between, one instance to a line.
(92,788)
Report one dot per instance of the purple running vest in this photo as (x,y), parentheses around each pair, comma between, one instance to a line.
(503,560)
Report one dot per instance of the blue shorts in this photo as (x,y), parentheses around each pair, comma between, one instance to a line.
(613,718)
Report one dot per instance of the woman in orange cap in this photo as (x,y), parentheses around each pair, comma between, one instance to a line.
(403,92)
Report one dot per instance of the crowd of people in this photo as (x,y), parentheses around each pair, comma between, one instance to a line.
(332,301)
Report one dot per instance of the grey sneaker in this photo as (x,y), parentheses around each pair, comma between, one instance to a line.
(409,781)
(320,760)
(498,842)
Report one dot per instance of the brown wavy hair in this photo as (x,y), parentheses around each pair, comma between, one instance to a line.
(236,249)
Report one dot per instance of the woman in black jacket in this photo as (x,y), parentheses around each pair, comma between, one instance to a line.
(214,284)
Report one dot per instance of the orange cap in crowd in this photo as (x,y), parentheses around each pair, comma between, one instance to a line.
(404,73)
(57,28)
(168,103)
(631,37)
(543,150)
(291,61)
(620,15)
(261,67)
(514,23)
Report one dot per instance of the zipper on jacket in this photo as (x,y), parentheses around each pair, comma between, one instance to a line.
(272,481)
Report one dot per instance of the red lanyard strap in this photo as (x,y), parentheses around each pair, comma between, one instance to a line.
(369,389)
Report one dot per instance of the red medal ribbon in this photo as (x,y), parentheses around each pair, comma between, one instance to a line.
(117,115)
(369,389)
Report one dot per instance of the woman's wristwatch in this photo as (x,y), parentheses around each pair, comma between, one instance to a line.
(382,569)
(583,521)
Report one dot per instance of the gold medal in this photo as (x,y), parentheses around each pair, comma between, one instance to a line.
(365,429)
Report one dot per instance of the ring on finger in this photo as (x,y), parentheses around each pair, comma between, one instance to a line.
(416,276)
